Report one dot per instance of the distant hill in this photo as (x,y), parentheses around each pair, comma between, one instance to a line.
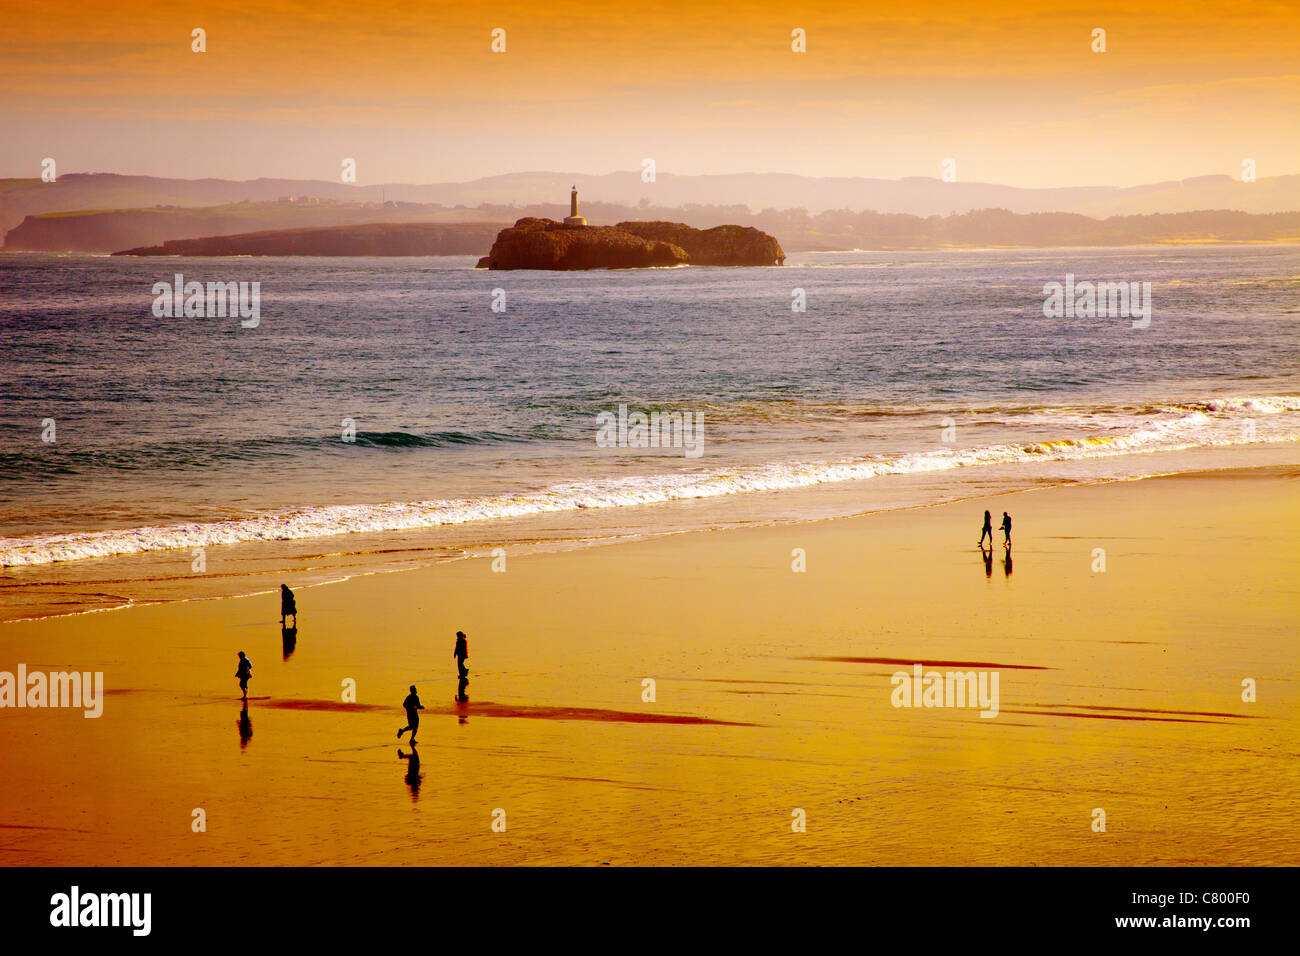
(109,230)
(920,196)
(836,230)
(795,229)
(368,239)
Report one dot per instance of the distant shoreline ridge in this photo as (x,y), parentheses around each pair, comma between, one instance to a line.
(105,212)
(110,232)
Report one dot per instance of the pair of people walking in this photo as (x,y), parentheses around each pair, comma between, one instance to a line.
(988,530)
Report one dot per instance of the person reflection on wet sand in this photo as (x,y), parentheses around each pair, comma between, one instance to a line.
(245,727)
(987,555)
(413,776)
(288,640)
(1006,563)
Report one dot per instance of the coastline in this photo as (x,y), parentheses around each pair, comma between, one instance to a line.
(244,569)
(788,673)
(472,258)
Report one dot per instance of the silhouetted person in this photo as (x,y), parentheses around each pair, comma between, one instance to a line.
(413,708)
(1006,562)
(244,672)
(288,606)
(1006,531)
(413,777)
(245,727)
(461,696)
(460,653)
(987,555)
(288,640)
(988,530)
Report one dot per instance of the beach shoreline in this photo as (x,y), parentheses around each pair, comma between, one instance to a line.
(87,585)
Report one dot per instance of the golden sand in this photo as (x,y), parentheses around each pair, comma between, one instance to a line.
(1119,690)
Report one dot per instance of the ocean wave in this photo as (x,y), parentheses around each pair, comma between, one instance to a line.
(1215,422)
(195,453)
(1264,405)
(400,439)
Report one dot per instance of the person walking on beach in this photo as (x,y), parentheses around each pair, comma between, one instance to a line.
(460,653)
(413,708)
(244,672)
(988,530)
(288,606)
(1006,531)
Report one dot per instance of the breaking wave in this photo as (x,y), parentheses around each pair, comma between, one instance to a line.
(1215,422)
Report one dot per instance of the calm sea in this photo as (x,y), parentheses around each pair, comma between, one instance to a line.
(382,412)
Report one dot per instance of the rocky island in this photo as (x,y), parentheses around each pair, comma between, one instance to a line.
(533,243)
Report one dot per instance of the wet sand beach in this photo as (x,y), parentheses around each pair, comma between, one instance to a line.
(1118,689)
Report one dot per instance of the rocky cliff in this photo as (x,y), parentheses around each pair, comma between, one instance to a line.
(546,244)
(719,246)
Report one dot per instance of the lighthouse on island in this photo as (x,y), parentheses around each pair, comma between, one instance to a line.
(573,219)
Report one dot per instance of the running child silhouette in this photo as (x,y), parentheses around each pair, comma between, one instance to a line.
(413,708)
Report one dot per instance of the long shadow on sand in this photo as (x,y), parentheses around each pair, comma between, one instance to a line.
(910,661)
(490,709)
(1131,713)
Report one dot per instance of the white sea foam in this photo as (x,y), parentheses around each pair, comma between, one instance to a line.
(1214,422)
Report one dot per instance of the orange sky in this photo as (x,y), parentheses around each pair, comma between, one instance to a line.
(1011,91)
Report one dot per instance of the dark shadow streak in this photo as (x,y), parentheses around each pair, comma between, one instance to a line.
(1070,713)
(1151,710)
(910,661)
(490,709)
